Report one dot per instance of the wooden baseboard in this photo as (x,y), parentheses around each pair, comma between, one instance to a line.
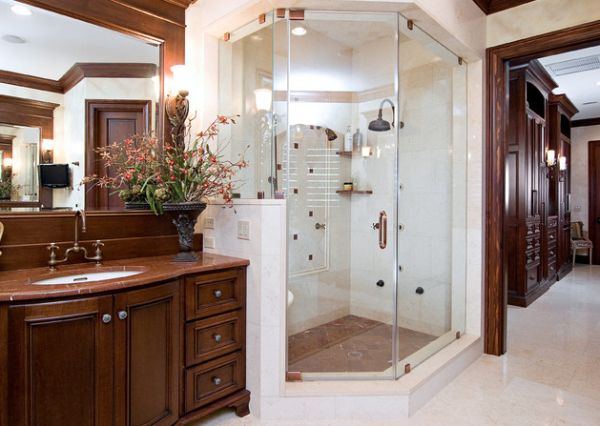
(238,401)
(529,298)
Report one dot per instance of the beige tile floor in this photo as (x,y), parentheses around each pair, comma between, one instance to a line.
(550,375)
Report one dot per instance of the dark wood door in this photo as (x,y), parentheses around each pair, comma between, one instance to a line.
(108,122)
(147,339)
(60,363)
(594,198)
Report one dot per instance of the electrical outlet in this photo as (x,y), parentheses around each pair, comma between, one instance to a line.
(209,223)
(243,229)
(209,242)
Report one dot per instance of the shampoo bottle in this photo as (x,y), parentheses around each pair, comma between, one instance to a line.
(348,140)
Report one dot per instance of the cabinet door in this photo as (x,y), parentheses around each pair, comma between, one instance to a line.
(147,339)
(60,363)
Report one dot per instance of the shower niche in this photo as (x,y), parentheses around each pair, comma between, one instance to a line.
(359,121)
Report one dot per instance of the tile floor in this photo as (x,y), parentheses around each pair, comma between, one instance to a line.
(550,376)
(350,343)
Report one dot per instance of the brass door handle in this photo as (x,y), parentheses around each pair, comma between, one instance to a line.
(382,229)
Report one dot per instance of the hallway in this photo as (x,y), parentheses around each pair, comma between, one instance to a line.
(550,376)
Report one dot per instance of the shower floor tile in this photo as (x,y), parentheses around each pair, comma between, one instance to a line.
(350,344)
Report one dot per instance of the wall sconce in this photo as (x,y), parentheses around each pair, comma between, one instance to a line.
(7,163)
(263,98)
(562,167)
(47,151)
(177,106)
(551,158)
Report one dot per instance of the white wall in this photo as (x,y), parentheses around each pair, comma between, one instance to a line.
(580,136)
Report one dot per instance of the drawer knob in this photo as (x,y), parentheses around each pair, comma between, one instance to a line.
(218,294)
(217,338)
(216,381)
(122,315)
(106,318)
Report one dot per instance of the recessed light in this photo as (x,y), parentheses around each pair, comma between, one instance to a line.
(19,9)
(10,38)
(598,83)
(299,31)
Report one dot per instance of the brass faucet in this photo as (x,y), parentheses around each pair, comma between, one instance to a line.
(53,248)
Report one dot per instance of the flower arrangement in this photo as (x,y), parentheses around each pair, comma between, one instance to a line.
(8,189)
(189,172)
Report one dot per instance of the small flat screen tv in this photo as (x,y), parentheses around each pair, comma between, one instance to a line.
(54,175)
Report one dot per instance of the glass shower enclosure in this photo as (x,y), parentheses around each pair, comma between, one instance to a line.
(359,121)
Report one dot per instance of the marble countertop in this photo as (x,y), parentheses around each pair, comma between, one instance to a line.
(17,285)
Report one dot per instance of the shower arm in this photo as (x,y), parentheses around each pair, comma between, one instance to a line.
(380,115)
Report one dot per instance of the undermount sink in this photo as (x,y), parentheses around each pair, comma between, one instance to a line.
(87,278)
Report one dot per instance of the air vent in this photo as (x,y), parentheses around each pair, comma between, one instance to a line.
(573,66)
(590,103)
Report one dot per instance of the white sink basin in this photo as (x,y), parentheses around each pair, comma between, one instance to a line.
(87,278)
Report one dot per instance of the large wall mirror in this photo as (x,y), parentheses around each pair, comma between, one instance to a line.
(68,87)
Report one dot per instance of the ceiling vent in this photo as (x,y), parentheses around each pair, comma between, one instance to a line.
(573,66)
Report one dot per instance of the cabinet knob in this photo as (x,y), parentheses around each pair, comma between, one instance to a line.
(218,294)
(106,318)
(217,338)
(122,315)
(216,381)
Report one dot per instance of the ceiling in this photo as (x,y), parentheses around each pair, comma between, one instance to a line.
(55,42)
(578,76)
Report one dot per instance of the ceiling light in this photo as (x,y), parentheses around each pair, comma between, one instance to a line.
(19,9)
(10,38)
(598,83)
(299,31)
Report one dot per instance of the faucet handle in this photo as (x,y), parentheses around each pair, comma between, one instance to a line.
(98,244)
(52,247)
(98,255)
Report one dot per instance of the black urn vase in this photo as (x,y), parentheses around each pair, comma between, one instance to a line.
(184,216)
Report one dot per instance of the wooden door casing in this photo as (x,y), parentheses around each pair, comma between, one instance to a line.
(594,198)
(109,121)
(61,363)
(147,356)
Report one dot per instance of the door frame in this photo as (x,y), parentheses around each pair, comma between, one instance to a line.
(496,105)
(93,107)
(592,195)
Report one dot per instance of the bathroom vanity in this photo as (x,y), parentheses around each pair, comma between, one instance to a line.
(164,345)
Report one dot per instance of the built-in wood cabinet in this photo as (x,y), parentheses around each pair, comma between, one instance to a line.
(163,354)
(537,218)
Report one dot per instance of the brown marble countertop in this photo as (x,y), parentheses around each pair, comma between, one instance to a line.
(17,285)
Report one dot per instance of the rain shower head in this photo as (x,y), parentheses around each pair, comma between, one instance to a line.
(381,125)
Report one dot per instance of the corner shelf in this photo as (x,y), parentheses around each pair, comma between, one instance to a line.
(354,191)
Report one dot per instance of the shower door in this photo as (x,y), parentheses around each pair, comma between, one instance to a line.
(341,196)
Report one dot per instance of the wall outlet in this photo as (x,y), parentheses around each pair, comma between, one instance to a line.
(243,229)
(209,242)
(209,223)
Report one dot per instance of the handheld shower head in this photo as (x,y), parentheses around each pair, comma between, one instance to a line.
(381,125)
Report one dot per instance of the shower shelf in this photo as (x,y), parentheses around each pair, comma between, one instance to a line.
(345,153)
(354,191)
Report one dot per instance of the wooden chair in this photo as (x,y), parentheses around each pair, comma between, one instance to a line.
(580,241)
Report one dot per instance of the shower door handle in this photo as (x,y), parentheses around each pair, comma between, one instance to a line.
(382,229)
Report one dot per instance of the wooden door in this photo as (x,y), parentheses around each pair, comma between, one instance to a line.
(108,122)
(594,198)
(147,349)
(60,363)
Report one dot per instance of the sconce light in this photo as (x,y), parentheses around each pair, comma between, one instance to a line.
(177,107)
(7,163)
(263,98)
(562,163)
(551,158)
(47,150)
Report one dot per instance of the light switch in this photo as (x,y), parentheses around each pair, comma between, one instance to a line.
(209,222)
(209,242)
(243,229)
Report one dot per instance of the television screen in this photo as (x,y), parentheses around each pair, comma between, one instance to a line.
(54,175)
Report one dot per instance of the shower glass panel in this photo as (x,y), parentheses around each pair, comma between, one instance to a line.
(340,184)
(432,197)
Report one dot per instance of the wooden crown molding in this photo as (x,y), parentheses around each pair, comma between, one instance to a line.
(25,80)
(30,107)
(492,6)
(6,139)
(586,122)
(565,103)
(78,72)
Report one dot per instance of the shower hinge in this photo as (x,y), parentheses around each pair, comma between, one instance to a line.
(293,376)
(296,15)
(280,13)
(402,124)
(407,369)
(460,61)
(262,18)
(227,36)
(410,24)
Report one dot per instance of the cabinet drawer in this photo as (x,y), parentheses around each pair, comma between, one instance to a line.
(552,269)
(532,279)
(214,293)
(552,237)
(212,337)
(212,380)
